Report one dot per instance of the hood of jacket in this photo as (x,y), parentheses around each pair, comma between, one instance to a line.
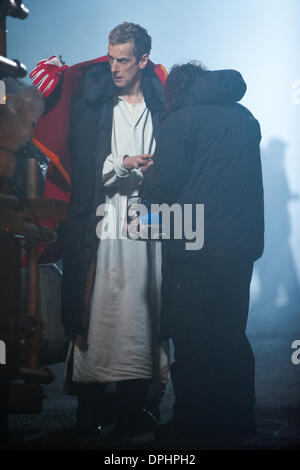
(215,87)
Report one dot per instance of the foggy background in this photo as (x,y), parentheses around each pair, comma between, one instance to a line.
(259,38)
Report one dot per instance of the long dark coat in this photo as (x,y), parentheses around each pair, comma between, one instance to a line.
(90,144)
(208,152)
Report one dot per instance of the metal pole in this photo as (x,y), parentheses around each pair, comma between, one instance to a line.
(3,35)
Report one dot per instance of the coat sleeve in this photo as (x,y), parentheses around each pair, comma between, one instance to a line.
(114,171)
(165,179)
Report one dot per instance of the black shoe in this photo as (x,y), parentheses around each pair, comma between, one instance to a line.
(88,429)
(142,423)
(145,422)
(170,430)
(87,423)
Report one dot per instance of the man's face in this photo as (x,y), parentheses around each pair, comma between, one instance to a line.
(125,69)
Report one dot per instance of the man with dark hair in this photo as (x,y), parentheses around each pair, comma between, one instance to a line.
(126,32)
(208,153)
(111,288)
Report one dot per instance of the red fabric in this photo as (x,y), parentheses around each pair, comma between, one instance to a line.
(51,137)
(52,129)
(46,75)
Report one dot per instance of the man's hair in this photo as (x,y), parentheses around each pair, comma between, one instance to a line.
(125,32)
(179,80)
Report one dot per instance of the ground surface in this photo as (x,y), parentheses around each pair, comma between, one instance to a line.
(278,402)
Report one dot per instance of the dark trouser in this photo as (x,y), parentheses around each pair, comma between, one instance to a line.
(122,406)
(213,373)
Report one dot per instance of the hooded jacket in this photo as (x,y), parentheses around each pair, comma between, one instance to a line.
(208,153)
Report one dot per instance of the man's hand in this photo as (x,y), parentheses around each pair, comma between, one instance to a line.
(81,342)
(143,162)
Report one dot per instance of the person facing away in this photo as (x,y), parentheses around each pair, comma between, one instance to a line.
(111,287)
(208,153)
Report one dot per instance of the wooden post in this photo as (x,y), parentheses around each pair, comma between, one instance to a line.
(34,342)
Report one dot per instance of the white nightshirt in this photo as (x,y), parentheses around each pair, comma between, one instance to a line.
(128,274)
